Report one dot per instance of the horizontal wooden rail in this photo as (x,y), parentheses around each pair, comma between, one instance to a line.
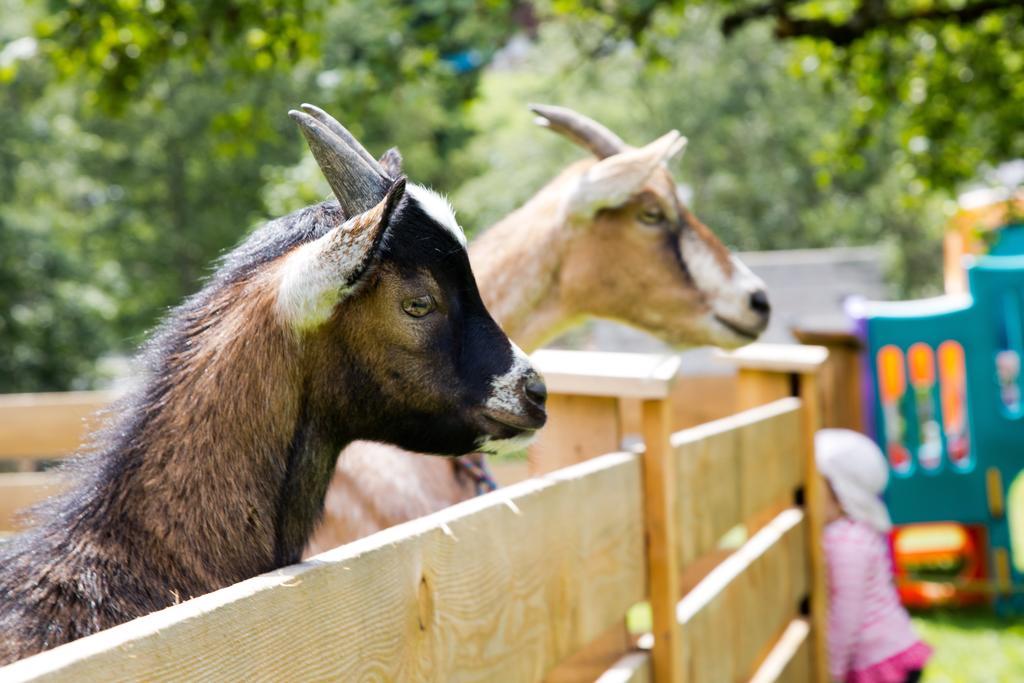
(22,490)
(614,375)
(730,617)
(37,426)
(503,586)
(789,660)
(632,668)
(583,420)
(732,470)
(781,358)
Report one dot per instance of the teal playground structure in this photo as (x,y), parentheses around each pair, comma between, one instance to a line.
(943,399)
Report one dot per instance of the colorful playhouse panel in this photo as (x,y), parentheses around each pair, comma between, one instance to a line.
(944,403)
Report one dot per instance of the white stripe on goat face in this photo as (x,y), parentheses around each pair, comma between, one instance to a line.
(728,290)
(438,208)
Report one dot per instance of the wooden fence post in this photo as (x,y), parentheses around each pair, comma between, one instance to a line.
(662,560)
(756,387)
(810,398)
(586,389)
(585,422)
(768,372)
(840,380)
(582,427)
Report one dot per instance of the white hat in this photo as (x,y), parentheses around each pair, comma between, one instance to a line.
(857,471)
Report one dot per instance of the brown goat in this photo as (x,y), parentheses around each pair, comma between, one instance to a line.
(315,331)
(610,237)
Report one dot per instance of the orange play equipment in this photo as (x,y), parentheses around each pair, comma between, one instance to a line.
(939,563)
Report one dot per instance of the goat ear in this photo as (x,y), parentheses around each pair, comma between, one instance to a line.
(612,181)
(391,162)
(318,275)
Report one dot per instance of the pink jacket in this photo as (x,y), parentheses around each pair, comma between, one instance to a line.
(870,639)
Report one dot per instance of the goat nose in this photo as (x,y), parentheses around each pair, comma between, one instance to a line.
(536,390)
(759,302)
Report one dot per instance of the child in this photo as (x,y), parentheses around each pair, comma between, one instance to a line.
(870,639)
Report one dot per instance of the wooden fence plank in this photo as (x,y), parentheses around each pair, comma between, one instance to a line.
(508,472)
(595,658)
(633,668)
(771,462)
(801,366)
(732,616)
(757,388)
(500,587)
(578,428)
(790,659)
(777,358)
(583,408)
(47,425)
(21,490)
(732,469)
(840,377)
(697,399)
(705,515)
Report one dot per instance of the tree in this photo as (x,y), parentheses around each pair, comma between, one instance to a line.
(954,68)
(54,315)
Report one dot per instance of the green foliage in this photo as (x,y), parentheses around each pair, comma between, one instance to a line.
(958,91)
(951,70)
(54,315)
(115,45)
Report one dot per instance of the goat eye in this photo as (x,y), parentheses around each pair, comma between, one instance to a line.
(419,306)
(652,216)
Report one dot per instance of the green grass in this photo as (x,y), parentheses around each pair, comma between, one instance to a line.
(972,646)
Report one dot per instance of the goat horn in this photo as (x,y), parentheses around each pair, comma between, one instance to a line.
(583,130)
(342,132)
(355,183)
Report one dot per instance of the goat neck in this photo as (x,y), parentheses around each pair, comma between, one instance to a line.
(518,265)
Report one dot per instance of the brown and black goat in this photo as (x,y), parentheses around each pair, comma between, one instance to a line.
(355,319)
(609,237)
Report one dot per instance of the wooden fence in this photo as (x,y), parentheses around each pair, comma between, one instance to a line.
(714,527)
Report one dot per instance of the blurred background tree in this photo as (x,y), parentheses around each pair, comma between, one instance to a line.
(141,138)
(952,69)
